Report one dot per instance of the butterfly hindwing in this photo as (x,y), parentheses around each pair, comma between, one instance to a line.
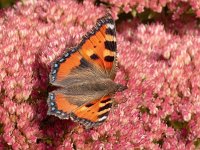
(89,114)
(93,113)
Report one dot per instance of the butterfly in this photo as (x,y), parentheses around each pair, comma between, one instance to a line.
(84,75)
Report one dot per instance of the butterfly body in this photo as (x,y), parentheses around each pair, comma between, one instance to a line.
(84,75)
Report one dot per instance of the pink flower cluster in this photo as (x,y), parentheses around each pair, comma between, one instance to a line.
(160,65)
(163,95)
(175,7)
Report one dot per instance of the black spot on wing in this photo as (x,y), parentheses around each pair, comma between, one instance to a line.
(94,57)
(110,45)
(109,58)
(84,63)
(109,105)
(110,31)
(106,100)
(88,105)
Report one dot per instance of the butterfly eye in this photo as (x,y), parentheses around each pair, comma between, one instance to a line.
(95,46)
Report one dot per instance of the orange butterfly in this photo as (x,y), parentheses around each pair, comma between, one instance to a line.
(84,75)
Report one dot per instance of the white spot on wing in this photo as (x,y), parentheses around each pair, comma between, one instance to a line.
(102,118)
(111,26)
